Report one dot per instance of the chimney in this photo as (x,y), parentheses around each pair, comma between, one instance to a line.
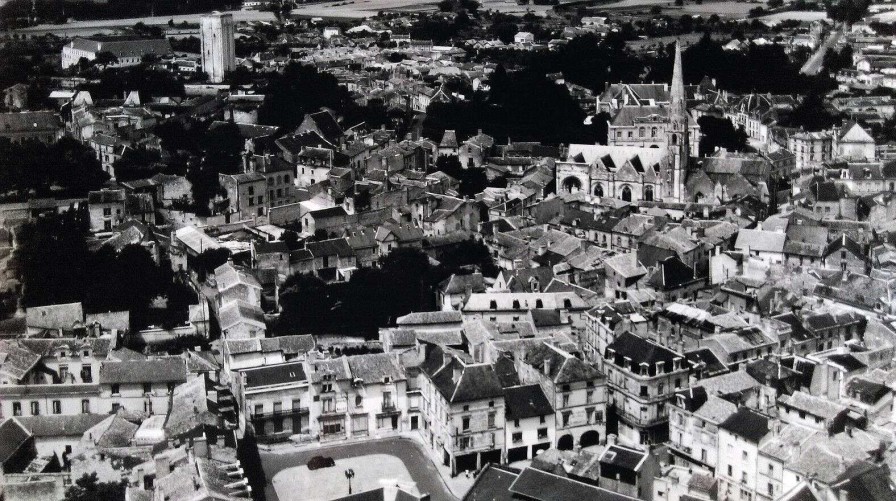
(200,446)
(547,366)
(842,495)
(611,439)
(163,465)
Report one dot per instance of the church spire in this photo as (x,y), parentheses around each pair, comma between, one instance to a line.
(678,137)
(677,91)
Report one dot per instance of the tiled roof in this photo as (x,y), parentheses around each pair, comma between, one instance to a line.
(164,370)
(12,436)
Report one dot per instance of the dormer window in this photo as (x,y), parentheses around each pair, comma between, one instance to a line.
(493,304)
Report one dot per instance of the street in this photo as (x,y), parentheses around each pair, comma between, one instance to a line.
(415,459)
(813,65)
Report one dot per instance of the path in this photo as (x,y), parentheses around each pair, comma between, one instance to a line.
(411,453)
(814,64)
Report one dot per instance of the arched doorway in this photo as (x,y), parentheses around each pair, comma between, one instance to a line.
(599,190)
(627,193)
(572,184)
(698,198)
(589,438)
(648,193)
(565,443)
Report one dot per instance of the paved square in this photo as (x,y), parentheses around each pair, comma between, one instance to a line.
(371,471)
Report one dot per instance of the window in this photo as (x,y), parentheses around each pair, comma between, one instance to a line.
(326,388)
(491,419)
(516,423)
(465,423)
(566,400)
(259,410)
(107,211)
(771,489)
(643,391)
(589,397)
(63,373)
(566,418)
(147,388)
(57,407)
(35,409)
(661,389)
(17,408)
(730,471)
(518,437)
(542,433)
(116,389)
(85,406)
(359,400)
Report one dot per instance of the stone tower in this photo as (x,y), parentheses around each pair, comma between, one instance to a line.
(216,32)
(678,138)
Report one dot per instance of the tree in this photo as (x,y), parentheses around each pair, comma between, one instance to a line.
(53,256)
(505,31)
(208,260)
(720,133)
(811,115)
(105,59)
(89,488)
(136,163)
(306,305)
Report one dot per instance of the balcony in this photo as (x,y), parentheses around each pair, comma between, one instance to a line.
(280,413)
(388,407)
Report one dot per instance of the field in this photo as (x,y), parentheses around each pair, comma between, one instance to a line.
(360,9)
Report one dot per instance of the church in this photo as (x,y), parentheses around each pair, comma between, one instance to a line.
(648,152)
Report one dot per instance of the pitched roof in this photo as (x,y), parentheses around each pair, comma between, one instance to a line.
(747,424)
(12,436)
(57,425)
(473,382)
(522,402)
(539,485)
(162,370)
(290,372)
(640,350)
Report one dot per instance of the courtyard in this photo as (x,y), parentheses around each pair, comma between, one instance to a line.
(395,460)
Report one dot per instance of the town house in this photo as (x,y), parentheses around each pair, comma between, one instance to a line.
(643,377)
(576,390)
(464,411)
(140,385)
(274,398)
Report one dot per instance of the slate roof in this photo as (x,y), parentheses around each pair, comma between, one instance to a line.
(671,274)
(564,367)
(290,372)
(747,424)
(476,382)
(641,350)
(523,402)
(123,47)
(623,457)
(493,484)
(28,121)
(626,265)
(163,370)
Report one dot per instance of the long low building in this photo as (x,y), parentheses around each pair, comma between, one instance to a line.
(127,51)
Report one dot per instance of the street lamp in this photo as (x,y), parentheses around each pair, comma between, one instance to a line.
(349,474)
